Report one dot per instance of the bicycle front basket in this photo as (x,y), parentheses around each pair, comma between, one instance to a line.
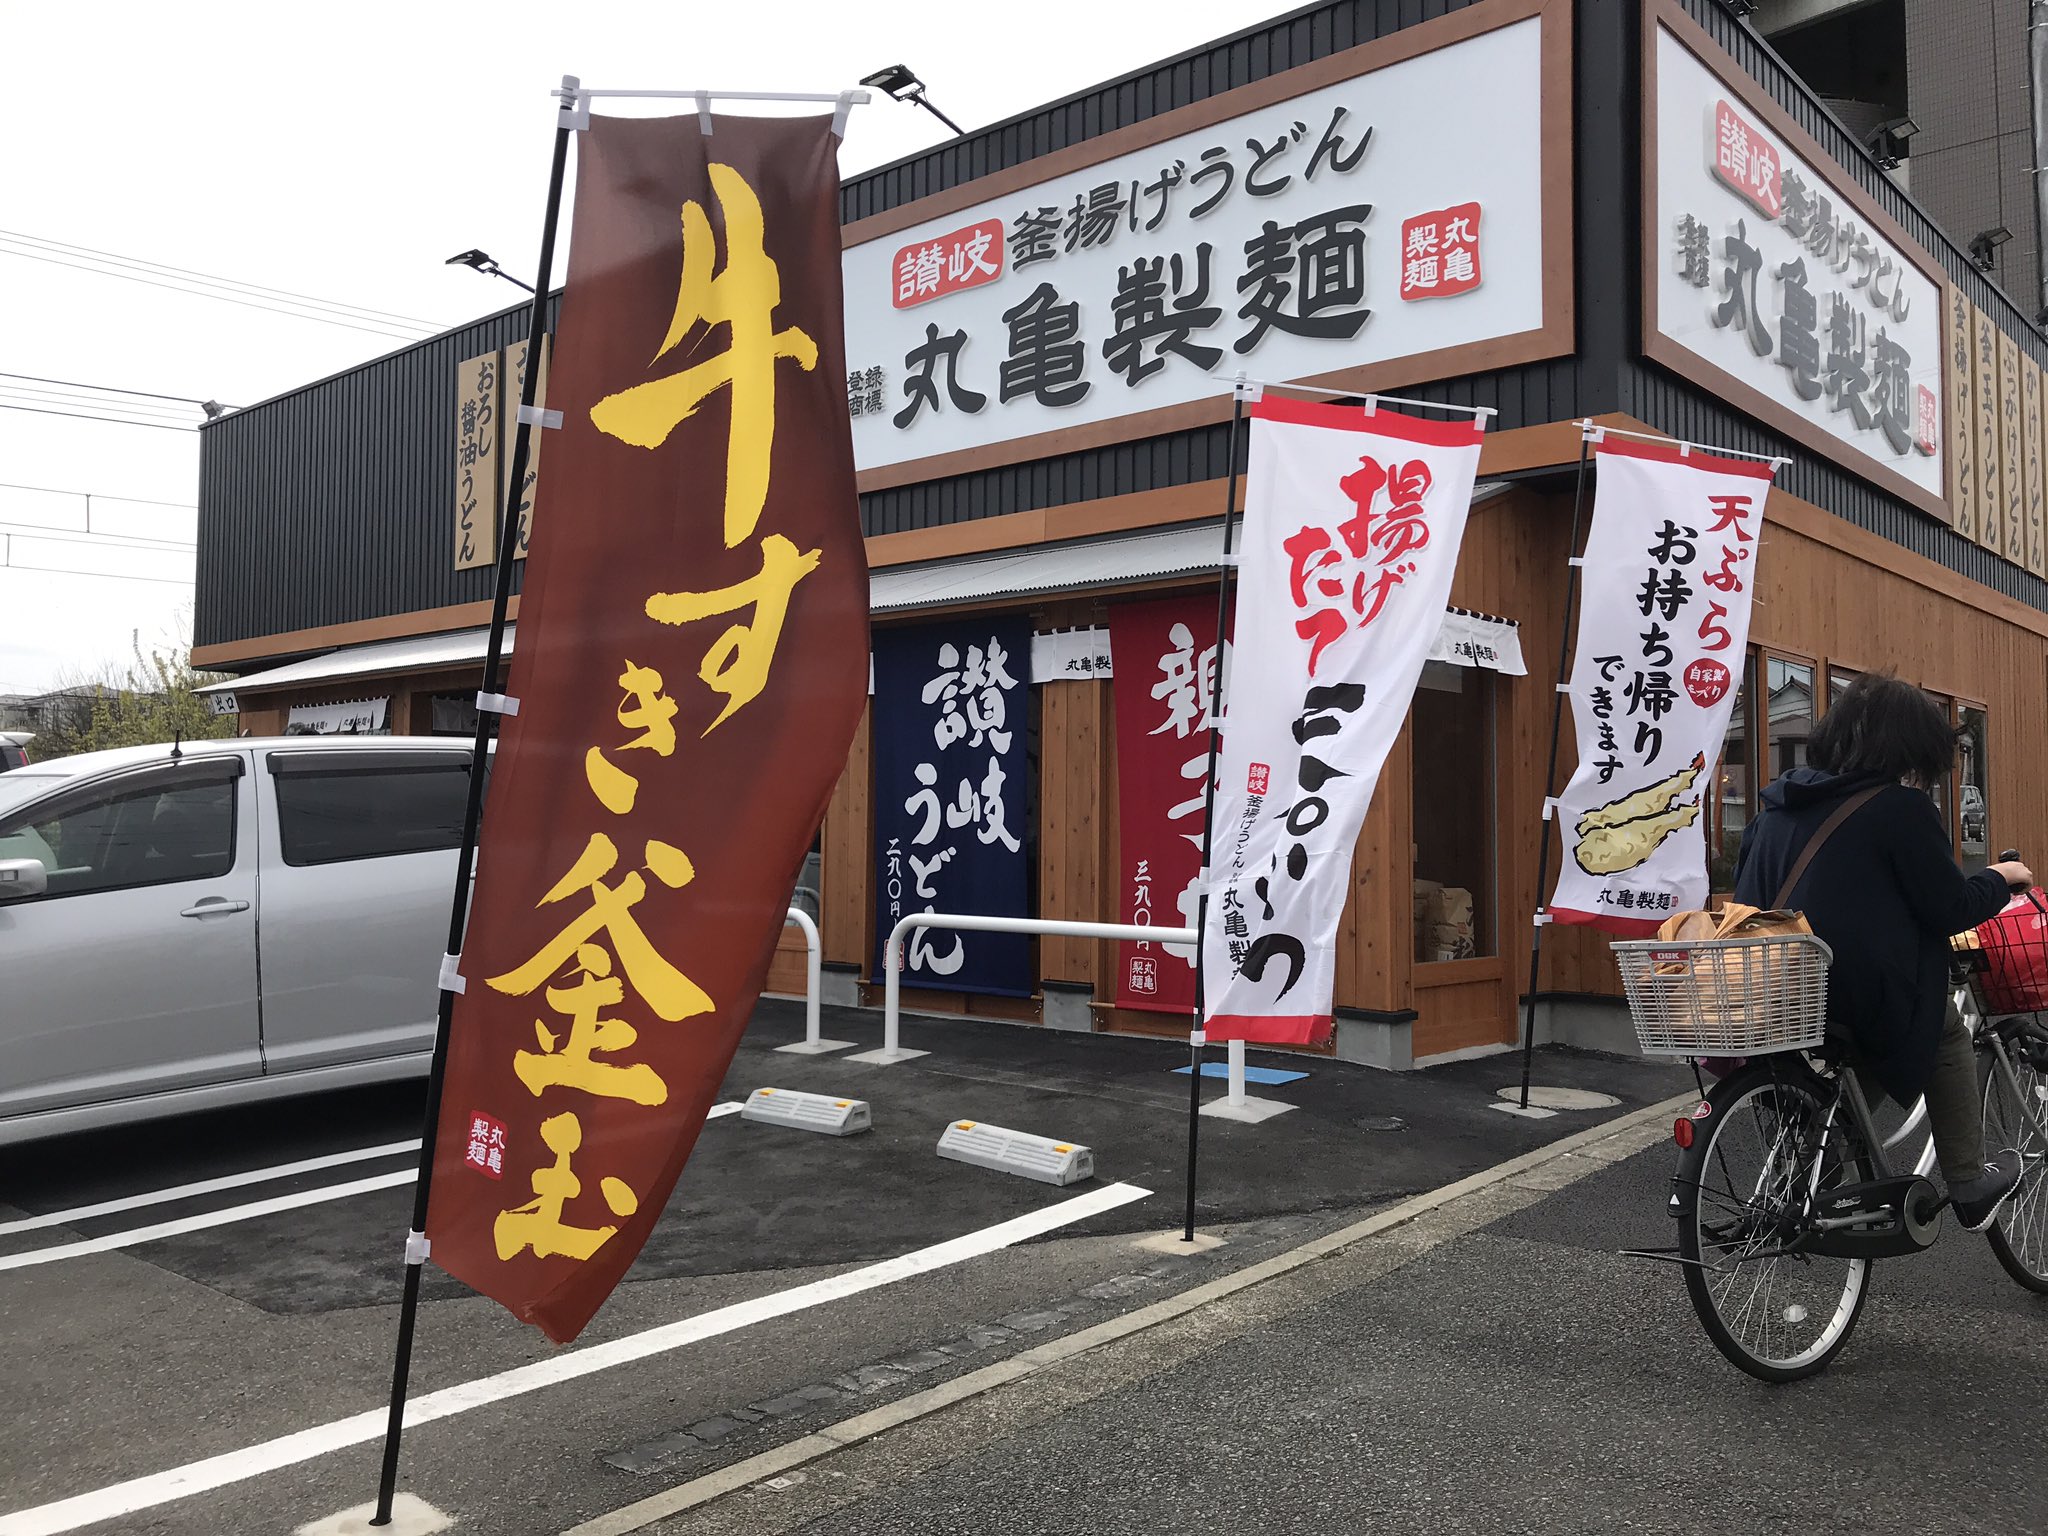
(1726,997)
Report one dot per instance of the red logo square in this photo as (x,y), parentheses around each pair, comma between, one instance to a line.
(1256,781)
(486,1150)
(1745,162)
(1440,253)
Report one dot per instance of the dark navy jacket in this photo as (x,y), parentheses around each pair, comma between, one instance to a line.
(1885,893)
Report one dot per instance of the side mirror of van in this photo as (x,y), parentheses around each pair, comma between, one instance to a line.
(22,878)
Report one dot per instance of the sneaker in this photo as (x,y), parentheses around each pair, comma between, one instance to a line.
(1977,1201)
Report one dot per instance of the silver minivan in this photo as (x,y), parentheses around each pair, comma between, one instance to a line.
(186,928)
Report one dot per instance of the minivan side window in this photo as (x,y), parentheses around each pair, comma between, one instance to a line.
(151,830)
(337,806)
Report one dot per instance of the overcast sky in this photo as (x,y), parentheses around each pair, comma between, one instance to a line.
(343,155)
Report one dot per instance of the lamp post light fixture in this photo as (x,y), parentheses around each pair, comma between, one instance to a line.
(483,263)
(1984,246)
(1887,141)
(902,85)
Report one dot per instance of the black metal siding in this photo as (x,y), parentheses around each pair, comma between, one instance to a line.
(336,502)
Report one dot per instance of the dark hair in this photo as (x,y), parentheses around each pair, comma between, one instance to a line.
(1883,727)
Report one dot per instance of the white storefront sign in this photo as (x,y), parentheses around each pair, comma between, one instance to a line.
(357,717)
(1670,570)
(1352,526)
(1769,273)
(1396,213)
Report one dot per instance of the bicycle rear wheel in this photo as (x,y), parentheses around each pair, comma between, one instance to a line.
(1743,1192)
(2020,1234)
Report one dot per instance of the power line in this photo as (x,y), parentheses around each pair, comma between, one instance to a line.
(109,389)
(140,543)
(142,408)
(66,570)
(140,501)
(200,293)
(81,416)
(215,279)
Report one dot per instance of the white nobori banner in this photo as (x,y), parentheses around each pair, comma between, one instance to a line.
(1352,524)
(1670,569)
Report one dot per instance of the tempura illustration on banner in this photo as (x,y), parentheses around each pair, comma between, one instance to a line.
(1624,833)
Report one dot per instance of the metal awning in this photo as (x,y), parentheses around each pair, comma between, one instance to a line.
(1085,565)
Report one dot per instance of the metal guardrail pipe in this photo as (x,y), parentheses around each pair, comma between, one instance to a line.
(814,974)
(892,959)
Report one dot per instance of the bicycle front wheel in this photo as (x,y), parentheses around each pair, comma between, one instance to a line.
(2020,1234)
(1745,1191)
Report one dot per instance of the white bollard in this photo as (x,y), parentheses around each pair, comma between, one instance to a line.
(814,983)
(1235,1099)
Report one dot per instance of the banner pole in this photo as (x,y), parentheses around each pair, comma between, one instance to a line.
(508,541)
(1197,1037)
(1564,661)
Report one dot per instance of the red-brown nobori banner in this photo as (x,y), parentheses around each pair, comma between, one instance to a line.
(692,663)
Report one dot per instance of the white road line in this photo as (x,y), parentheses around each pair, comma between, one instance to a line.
(221,1218)
(208,1186)
(289,1450)
(229,1215)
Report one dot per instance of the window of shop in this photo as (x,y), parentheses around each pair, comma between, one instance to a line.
(1788,714)
(1454,814)
(1732,782)
(1944,791)
(1973,778)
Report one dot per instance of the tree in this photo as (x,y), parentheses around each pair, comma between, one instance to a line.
(153,700)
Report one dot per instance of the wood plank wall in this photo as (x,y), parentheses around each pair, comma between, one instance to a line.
(1827,592)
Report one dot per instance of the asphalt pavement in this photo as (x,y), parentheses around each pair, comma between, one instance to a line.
(240,1350)
(1493,1366)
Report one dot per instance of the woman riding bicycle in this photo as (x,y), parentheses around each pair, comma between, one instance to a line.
(1885,894)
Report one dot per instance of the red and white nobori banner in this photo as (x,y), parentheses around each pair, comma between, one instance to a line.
(1352,525)
(1165,658)
(1670,567)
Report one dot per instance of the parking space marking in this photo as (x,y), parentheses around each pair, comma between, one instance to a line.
(208,1186)
(221,1218)
(288,1450)
(228,1215)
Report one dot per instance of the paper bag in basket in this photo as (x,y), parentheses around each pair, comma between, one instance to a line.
(1713,972)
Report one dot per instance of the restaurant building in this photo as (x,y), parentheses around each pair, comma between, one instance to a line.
(1626,211)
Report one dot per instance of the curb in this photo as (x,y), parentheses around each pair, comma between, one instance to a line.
(865,1426)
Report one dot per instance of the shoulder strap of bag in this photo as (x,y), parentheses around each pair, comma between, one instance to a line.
(1843,812)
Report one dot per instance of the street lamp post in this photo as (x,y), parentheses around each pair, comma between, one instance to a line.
(485,264)
(902,85)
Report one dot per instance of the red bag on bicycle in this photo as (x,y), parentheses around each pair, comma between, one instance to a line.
(2015,945)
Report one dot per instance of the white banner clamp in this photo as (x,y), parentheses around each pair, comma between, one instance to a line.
(1564,688)
(1550,807)
(1540,919)
(703,112)
(575,105)
(539,416)
(1576,561)
(1198,1037)
(847,99)
(450,979)
(497,704)
(1250,390)
(417,1248)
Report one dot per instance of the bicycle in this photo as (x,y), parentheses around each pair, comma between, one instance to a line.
(1786,1192)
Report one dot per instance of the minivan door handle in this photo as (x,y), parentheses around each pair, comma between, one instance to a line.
(211,906)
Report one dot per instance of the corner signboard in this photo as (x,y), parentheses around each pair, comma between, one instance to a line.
(1774,279)
(1395,212)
